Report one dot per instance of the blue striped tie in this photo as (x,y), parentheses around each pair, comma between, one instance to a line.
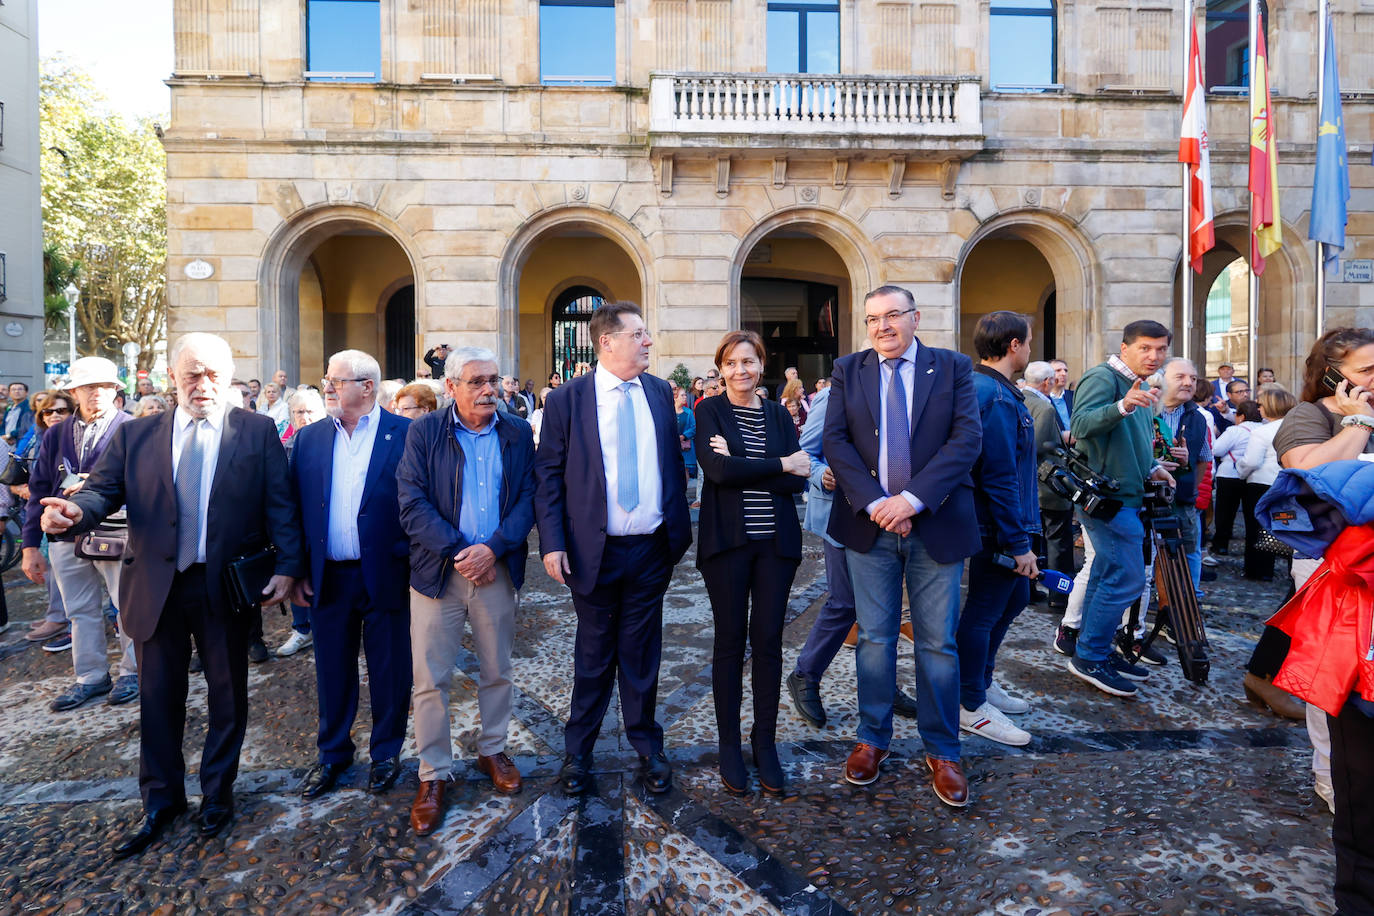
(897,429)
(627,456)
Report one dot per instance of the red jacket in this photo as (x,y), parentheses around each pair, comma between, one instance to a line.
(1329,621)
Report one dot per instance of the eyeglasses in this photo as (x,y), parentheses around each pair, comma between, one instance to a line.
(638,335)
(477,384)
(49,411)
(875,321)
(338,382)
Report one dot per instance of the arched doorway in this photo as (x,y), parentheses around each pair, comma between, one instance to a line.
(338,277)
(1004,271)
(795,292)
(571,336)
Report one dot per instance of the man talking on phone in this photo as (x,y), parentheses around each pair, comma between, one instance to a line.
(1113,422)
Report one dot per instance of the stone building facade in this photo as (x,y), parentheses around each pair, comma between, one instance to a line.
(450,188)
(21,217)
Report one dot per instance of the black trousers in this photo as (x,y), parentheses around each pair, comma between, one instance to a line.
(1258,564)
(1269,653)
(620,639)
(1058,525)
(1230,492)
(1352,831)
(222,641)
(734,577)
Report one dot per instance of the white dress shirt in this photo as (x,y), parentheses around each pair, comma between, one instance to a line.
(181,428)
(352,455)
(908,381)
(646,517)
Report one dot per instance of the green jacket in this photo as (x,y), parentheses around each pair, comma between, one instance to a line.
(1114,445)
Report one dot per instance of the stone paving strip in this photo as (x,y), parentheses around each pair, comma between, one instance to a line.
(1184,800)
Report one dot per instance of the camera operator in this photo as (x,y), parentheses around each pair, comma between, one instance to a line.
(1006,500)
(1056,512)
(1112,422)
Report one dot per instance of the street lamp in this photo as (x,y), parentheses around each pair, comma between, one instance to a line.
(73,296)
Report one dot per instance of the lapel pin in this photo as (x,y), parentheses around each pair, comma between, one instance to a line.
(388,437)
(928,372)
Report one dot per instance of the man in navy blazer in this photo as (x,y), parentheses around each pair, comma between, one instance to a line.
(343,471)
(901,437)
(611,505)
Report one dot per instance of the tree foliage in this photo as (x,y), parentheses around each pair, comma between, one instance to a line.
(104,212)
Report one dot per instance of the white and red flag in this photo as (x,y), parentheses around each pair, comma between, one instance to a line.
(1192,150)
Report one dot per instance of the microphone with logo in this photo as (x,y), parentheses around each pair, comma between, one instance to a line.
(1055,581)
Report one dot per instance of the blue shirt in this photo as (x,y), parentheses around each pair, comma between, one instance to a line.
(1062,409)
(480,514)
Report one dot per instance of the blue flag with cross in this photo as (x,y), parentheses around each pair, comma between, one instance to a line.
(1331,183)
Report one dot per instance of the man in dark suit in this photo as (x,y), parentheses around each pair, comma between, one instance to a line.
(611,505)
(344,475)
(203,484)
(901,436)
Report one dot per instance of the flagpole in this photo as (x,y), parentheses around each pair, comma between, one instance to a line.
(1252,354)
(1186,260)
(1322,13)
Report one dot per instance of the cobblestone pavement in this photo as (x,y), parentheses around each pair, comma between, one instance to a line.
(1182,800)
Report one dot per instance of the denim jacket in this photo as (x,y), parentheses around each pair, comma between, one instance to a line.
(1006,493)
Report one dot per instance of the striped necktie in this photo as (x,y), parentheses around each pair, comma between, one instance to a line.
(897,426)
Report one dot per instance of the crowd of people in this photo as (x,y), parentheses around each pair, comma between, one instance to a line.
(399,515)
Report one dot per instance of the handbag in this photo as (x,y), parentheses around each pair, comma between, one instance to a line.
(15,473)
(106,541)
(1266,542)
(246,576)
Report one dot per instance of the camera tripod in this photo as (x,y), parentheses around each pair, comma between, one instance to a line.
(1178,607)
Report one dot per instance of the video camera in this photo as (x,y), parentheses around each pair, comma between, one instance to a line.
(1069,474)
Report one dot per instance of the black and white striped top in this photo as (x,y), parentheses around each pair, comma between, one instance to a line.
(758,504)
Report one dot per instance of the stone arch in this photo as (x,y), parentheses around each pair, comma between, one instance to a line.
(604,223)
(1287,313)
(284,255)
(1077,276)
(840,233)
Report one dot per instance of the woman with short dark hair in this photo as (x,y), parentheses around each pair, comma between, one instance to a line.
(748,549)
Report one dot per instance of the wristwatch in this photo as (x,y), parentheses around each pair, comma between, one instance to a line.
(1360,420)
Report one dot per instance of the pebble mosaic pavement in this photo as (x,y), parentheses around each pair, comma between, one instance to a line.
(1181,801)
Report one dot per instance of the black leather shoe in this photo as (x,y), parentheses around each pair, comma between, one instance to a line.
(806,697)
(657,771)
(903,705)
(215,816)
(382,775)
(148,832)
(321,778)
(576,774)
(257,652)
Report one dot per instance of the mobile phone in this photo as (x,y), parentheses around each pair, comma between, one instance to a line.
(1332,378)
(71,480)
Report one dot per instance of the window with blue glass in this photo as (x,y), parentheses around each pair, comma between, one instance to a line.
(577,42)
(1022,45)
(803,36)
(1226,47)
(344,40)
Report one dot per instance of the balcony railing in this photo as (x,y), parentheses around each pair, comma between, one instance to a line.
(724,103)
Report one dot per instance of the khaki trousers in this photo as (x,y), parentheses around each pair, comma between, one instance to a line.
(83,584)
(436,637)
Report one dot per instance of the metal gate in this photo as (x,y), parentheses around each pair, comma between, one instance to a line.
(572,337)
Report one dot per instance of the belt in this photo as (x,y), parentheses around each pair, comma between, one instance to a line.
(343,562)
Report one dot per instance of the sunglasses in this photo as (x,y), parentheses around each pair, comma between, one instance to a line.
(49,411)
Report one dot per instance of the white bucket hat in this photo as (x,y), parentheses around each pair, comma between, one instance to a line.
(93,370)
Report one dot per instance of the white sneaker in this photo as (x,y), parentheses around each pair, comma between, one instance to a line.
(1003,701)
(296,643)
(987,720)
(1209,561)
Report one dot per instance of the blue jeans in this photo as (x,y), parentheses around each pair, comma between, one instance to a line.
(833,622)
(1117,579)
(300,618)
(1192,544)
(995,597)
(877,577)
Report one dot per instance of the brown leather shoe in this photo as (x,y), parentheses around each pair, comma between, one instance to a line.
(427,811)
(947,779)
(504,776)
(862,766)
(1265,695)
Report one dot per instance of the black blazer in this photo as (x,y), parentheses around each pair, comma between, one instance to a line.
(250,503)
(721,525)
(570,479)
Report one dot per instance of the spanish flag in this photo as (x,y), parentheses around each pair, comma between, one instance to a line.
(1266,229)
